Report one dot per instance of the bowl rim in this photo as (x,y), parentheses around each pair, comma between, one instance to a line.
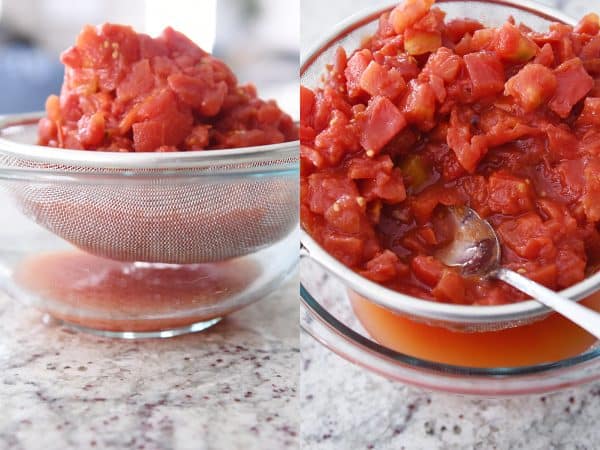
(273,156)
(407,304)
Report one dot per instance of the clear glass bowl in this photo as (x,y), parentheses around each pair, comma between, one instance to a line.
(71,232)
(332,318)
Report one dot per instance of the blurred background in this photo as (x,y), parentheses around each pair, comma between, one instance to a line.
(258,39)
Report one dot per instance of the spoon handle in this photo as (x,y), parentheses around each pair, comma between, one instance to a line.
(582,316)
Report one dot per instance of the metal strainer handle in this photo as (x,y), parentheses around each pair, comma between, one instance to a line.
(575,312)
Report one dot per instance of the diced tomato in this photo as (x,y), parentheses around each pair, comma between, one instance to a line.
(387,187)
(469,149)
(345,215)
(590,116)
(444,64)
(408,13)
(138,82)
(512,45)
(382,267)
(450,288)
(483,39)
(307,104)
(125,91)
(380,122)
(546,56)
(591,204)
(562,144)
(589,24)
(486,73)
(419,105)
(427,269)
(91,130)
(509,194)
(364,168)
(347,249)
(572,264)
(532,86)
(325,188)
(457,28)
(357,64)
(378,81)
(337,139)
(425,202)
(420,42)
(527,236)
(573,83)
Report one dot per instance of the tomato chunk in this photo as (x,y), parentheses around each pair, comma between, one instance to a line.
(381,121)
(532,86)
(573,83)
(378,81)
(486,73)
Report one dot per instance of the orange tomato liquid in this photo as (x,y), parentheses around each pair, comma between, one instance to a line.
(110,295)
(548,340)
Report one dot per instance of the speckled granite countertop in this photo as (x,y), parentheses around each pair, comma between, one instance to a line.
(346,407)
(230,387)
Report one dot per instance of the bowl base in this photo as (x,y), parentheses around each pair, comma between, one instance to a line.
(195,327)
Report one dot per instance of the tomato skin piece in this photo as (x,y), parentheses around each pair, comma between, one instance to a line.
(380,122)
(532,86)
(486,73)
(573,83)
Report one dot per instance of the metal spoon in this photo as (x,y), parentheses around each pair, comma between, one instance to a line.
(476,250)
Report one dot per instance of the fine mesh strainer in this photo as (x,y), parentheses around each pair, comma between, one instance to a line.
(349,34)
(172,208)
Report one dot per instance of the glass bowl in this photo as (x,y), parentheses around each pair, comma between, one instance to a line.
(143,245)
(333,318)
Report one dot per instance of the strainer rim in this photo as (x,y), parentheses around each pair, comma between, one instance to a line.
(448,312)
(86,159)
(404,303)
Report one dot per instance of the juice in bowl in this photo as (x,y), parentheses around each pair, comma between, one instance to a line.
(419,110)
(156,194)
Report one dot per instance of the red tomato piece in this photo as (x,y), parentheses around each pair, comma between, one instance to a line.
(380,122)
(419,105)
(509,194)
(573,83)
(512,45)
(357,64)
(532,86)
(486,73)
(408,13)
(378,81)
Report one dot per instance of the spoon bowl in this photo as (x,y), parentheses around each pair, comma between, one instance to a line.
(476,250)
